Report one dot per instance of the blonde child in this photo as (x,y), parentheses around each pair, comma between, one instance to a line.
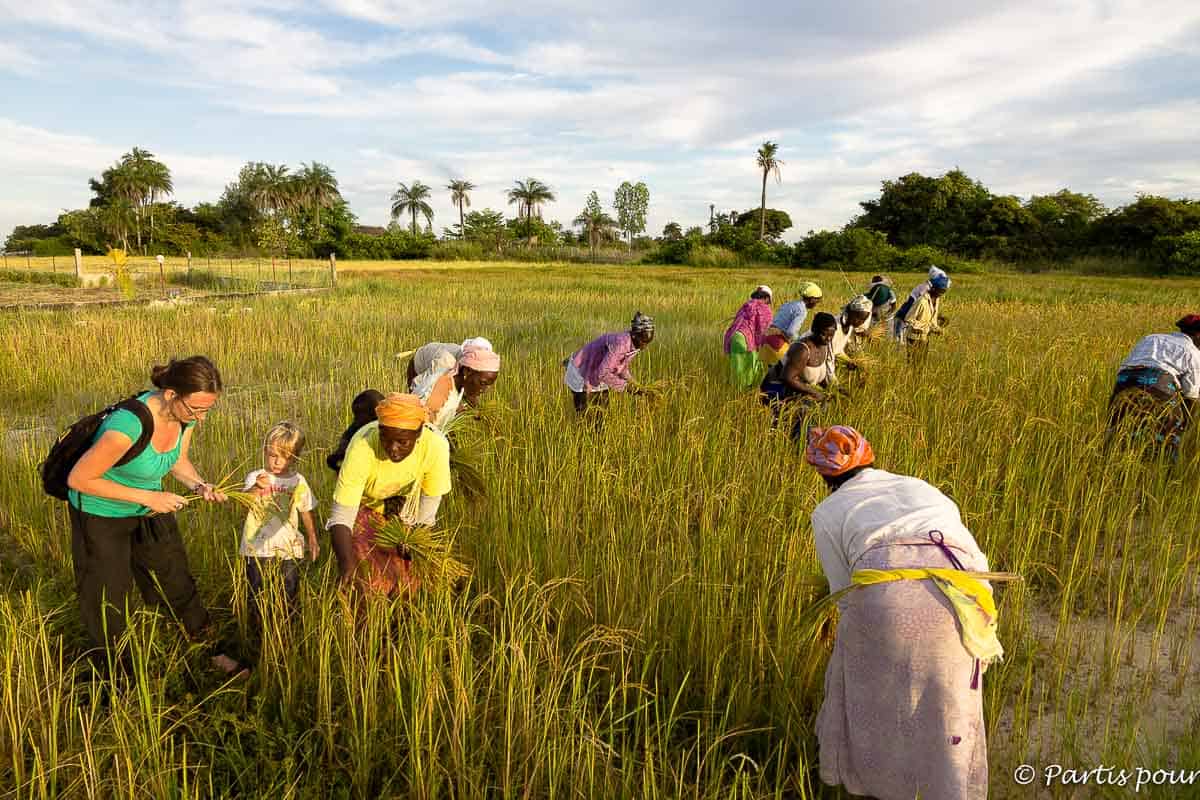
(271,537)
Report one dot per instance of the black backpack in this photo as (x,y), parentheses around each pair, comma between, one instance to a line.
(76,440)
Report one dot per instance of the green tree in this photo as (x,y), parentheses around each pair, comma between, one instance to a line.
(413,200)
(529,195)
(768,161)
(594,222)
(460,195)
(486,227)
(272,190)
(316,188)
(631,203)
(672,232)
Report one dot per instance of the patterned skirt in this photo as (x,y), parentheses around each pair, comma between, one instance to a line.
(383,570)
(900,718)
(1147,404)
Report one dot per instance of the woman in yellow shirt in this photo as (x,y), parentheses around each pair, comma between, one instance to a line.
(387,462)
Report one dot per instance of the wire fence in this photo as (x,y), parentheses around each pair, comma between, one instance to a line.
(214,273)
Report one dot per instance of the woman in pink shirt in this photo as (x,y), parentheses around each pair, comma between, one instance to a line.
(603,363)
(745,334)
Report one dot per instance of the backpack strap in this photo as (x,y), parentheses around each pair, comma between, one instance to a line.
(139,410)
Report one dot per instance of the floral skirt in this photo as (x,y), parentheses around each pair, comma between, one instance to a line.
(380,569)
(1148,405)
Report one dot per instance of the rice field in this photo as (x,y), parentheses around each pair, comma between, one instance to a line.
(633,624)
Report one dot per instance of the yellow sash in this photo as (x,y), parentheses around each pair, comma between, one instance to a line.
(972,601)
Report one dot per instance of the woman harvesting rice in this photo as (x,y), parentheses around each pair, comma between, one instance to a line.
(923,319)
(902,715)
(603,363)
(123,527)
(851,331)
(935,274)
(788,323)
(744,336)
(799,381)
(883,299)
(1158,385)
(394,458)
(453,376)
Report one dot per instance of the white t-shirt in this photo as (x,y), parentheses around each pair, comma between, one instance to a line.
(274,531)
(1172,352)
(877,507)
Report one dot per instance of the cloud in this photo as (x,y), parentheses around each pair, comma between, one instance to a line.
(1025,96)
(15,58)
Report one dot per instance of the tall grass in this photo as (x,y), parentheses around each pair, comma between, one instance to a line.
(631,625)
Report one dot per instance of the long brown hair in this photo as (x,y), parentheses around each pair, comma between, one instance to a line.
(186,376)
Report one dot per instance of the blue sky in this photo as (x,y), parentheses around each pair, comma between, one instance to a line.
(1029,97)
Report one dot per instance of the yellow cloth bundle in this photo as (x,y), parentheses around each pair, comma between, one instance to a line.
(972,601)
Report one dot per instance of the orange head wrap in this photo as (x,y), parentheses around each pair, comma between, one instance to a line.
(838,449)
(405,411)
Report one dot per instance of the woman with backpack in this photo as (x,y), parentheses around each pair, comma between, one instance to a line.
(123,527)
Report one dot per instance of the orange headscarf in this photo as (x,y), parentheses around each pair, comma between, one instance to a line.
(405,411)
(838,449)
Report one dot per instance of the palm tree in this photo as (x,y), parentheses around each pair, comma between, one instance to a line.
(460,195)
(412,199)
(529,195)
(316,188)
(274,191)
(595,222)
(156,179)
(768,163)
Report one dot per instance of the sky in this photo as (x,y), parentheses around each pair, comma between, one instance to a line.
(1028,97)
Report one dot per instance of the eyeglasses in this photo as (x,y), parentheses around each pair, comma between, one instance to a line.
(197,413)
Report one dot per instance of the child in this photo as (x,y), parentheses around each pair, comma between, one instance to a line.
(363,410)
(270,536)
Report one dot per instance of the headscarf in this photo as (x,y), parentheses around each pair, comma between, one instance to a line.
(940,282)
(477,341)
(404,411)
(641,323)
(810,291)
(762,287)
(1189,324)
(480,359)
(838,449)
(935,271)
(881,279)
(861,304)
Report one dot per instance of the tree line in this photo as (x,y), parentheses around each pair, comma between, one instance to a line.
(270,209)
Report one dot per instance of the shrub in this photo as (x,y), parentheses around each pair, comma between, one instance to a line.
(854,248)
(707,255)
(457,251)
(1184,258)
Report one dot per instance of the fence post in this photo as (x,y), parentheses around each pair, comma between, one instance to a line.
(53,263)
(289,272)
(332,269)
(231,266)
(79,266)
(29,261)
(162,274)
(189,266)
(273,277)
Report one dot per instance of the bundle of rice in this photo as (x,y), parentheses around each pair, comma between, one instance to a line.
(431,551)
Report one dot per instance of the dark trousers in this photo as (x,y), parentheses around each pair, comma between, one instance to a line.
(261,571)
(110,554)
